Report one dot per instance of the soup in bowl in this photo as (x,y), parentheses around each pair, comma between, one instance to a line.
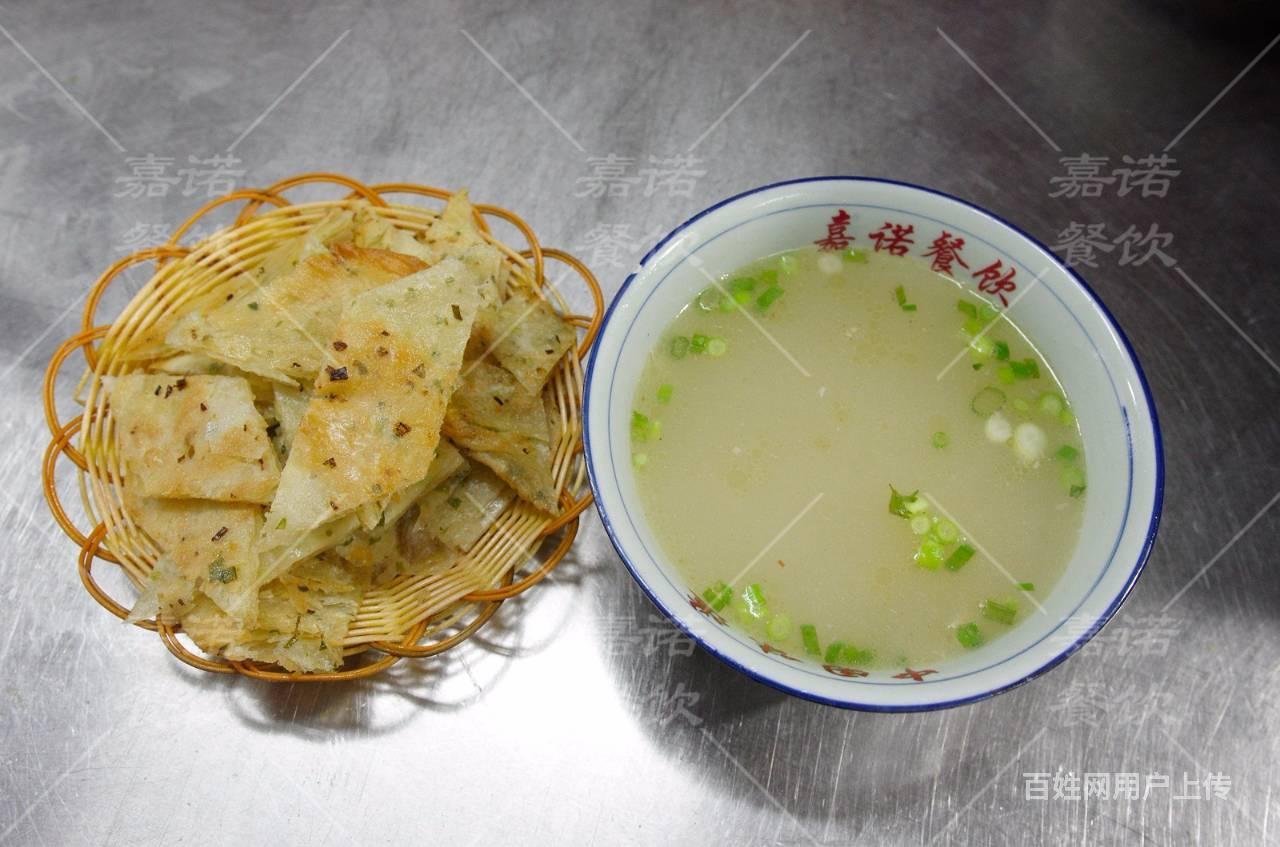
(871,444)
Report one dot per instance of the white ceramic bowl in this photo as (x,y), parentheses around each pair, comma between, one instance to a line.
(1089,353)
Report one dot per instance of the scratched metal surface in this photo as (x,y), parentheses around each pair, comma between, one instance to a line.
(578,719)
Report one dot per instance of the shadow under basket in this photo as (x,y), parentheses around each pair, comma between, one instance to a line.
(409,617)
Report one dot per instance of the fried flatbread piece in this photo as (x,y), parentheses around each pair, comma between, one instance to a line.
(283,257)
(527,337)
(455,230)
(186,364)
(450,234)
(375,546)
(387,510)
(207,548)
(193,436)
(290,405)
(375,415)
(353,532)
(280,329)
(405,550)
(500,423)
(458,512)
(302,620)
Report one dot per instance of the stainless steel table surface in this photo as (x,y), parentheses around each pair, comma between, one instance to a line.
(580,717)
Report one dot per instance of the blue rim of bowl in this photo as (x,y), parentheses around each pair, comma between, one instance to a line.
(1157,505)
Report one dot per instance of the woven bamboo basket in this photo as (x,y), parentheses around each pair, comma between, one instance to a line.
(407,618)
